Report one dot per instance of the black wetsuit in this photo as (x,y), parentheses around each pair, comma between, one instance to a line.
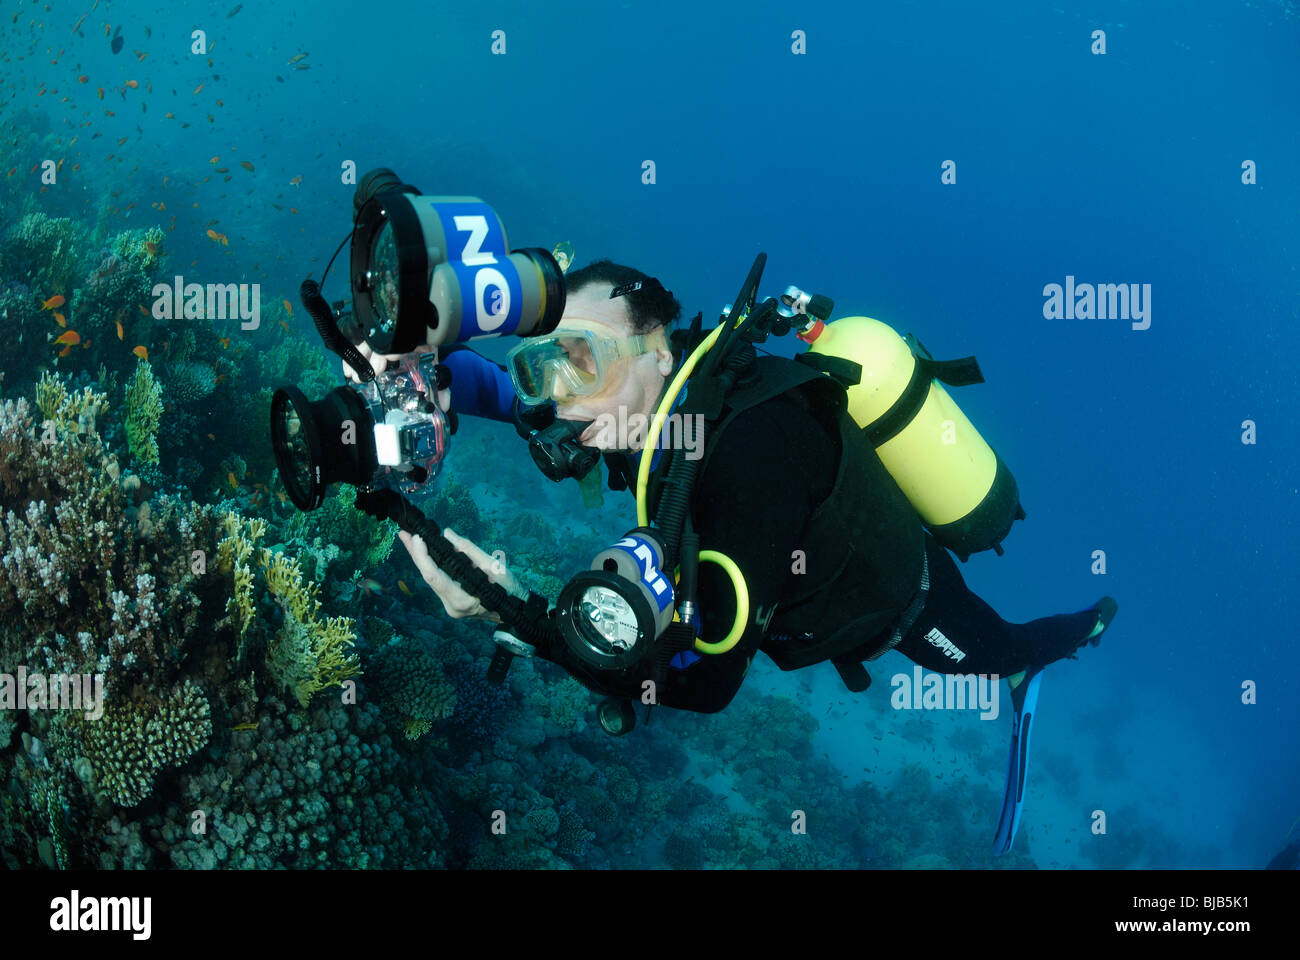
(772,467)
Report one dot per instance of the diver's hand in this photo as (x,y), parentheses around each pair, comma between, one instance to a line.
(379,362)
(455,600)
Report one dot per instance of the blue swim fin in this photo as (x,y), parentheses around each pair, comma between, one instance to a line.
(1024,699)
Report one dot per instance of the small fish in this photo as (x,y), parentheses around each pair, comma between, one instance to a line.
(121,334)
(139,55)
(69,337)
(151,247)
(197,89)
(213,235)
(288,308)
(80,21)
(238,7)
(296,181)
(60,319)
(404,588)
(54,302)
(246,165)
(244,726)
(225,343)
(170,116)
(211,437)
(234,484)
(302,66)
(295,58)
(293,209)
(141,352)
(143,311)
(372,587)
(133,84)
(83,79)
(214,160)
(223,169)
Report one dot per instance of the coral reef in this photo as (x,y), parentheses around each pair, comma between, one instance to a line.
(43,249)
(136,739)
(143,413)
(360,542)
(306,655)
(411,686)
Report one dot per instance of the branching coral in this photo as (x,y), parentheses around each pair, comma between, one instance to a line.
(75,412)
(233,550)
(306,655)
(143,413)
(136,739)
(44,249)
(364,540)
(83,586)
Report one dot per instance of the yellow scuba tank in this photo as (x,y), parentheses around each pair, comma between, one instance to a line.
(957,483)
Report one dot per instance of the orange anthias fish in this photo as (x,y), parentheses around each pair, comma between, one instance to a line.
(151,247)
(83,79)
(60,319)
(246,165)
(68,338)
(404,588)
(234,484)
(288,308)
(296,181)
(121,334)
(141,352)
(133,84)
(54,302)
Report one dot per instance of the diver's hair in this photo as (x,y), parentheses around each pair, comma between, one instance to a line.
(650,307)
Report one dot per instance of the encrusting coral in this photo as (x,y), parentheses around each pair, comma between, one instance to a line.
(411,685)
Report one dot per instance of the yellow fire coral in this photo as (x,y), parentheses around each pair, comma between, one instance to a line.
(306,655)
(235,548)
(70,411)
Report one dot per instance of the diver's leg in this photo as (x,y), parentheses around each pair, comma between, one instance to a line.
(957,632)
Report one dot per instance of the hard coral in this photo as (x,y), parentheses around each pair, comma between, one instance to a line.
(306,655)
(138,738)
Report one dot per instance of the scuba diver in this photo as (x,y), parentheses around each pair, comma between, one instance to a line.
(805,510)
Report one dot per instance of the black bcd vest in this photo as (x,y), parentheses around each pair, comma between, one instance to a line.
(863,545)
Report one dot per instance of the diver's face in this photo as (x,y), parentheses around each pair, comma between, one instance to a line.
(634,383)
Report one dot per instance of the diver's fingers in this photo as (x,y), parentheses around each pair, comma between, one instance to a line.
(444,399)
(454,599)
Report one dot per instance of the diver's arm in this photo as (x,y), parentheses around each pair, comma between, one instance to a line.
(479,386)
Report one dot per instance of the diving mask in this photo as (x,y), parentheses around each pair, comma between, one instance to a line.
(568,362)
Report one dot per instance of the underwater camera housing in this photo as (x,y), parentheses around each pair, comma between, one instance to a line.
(425,271)
(388,433)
